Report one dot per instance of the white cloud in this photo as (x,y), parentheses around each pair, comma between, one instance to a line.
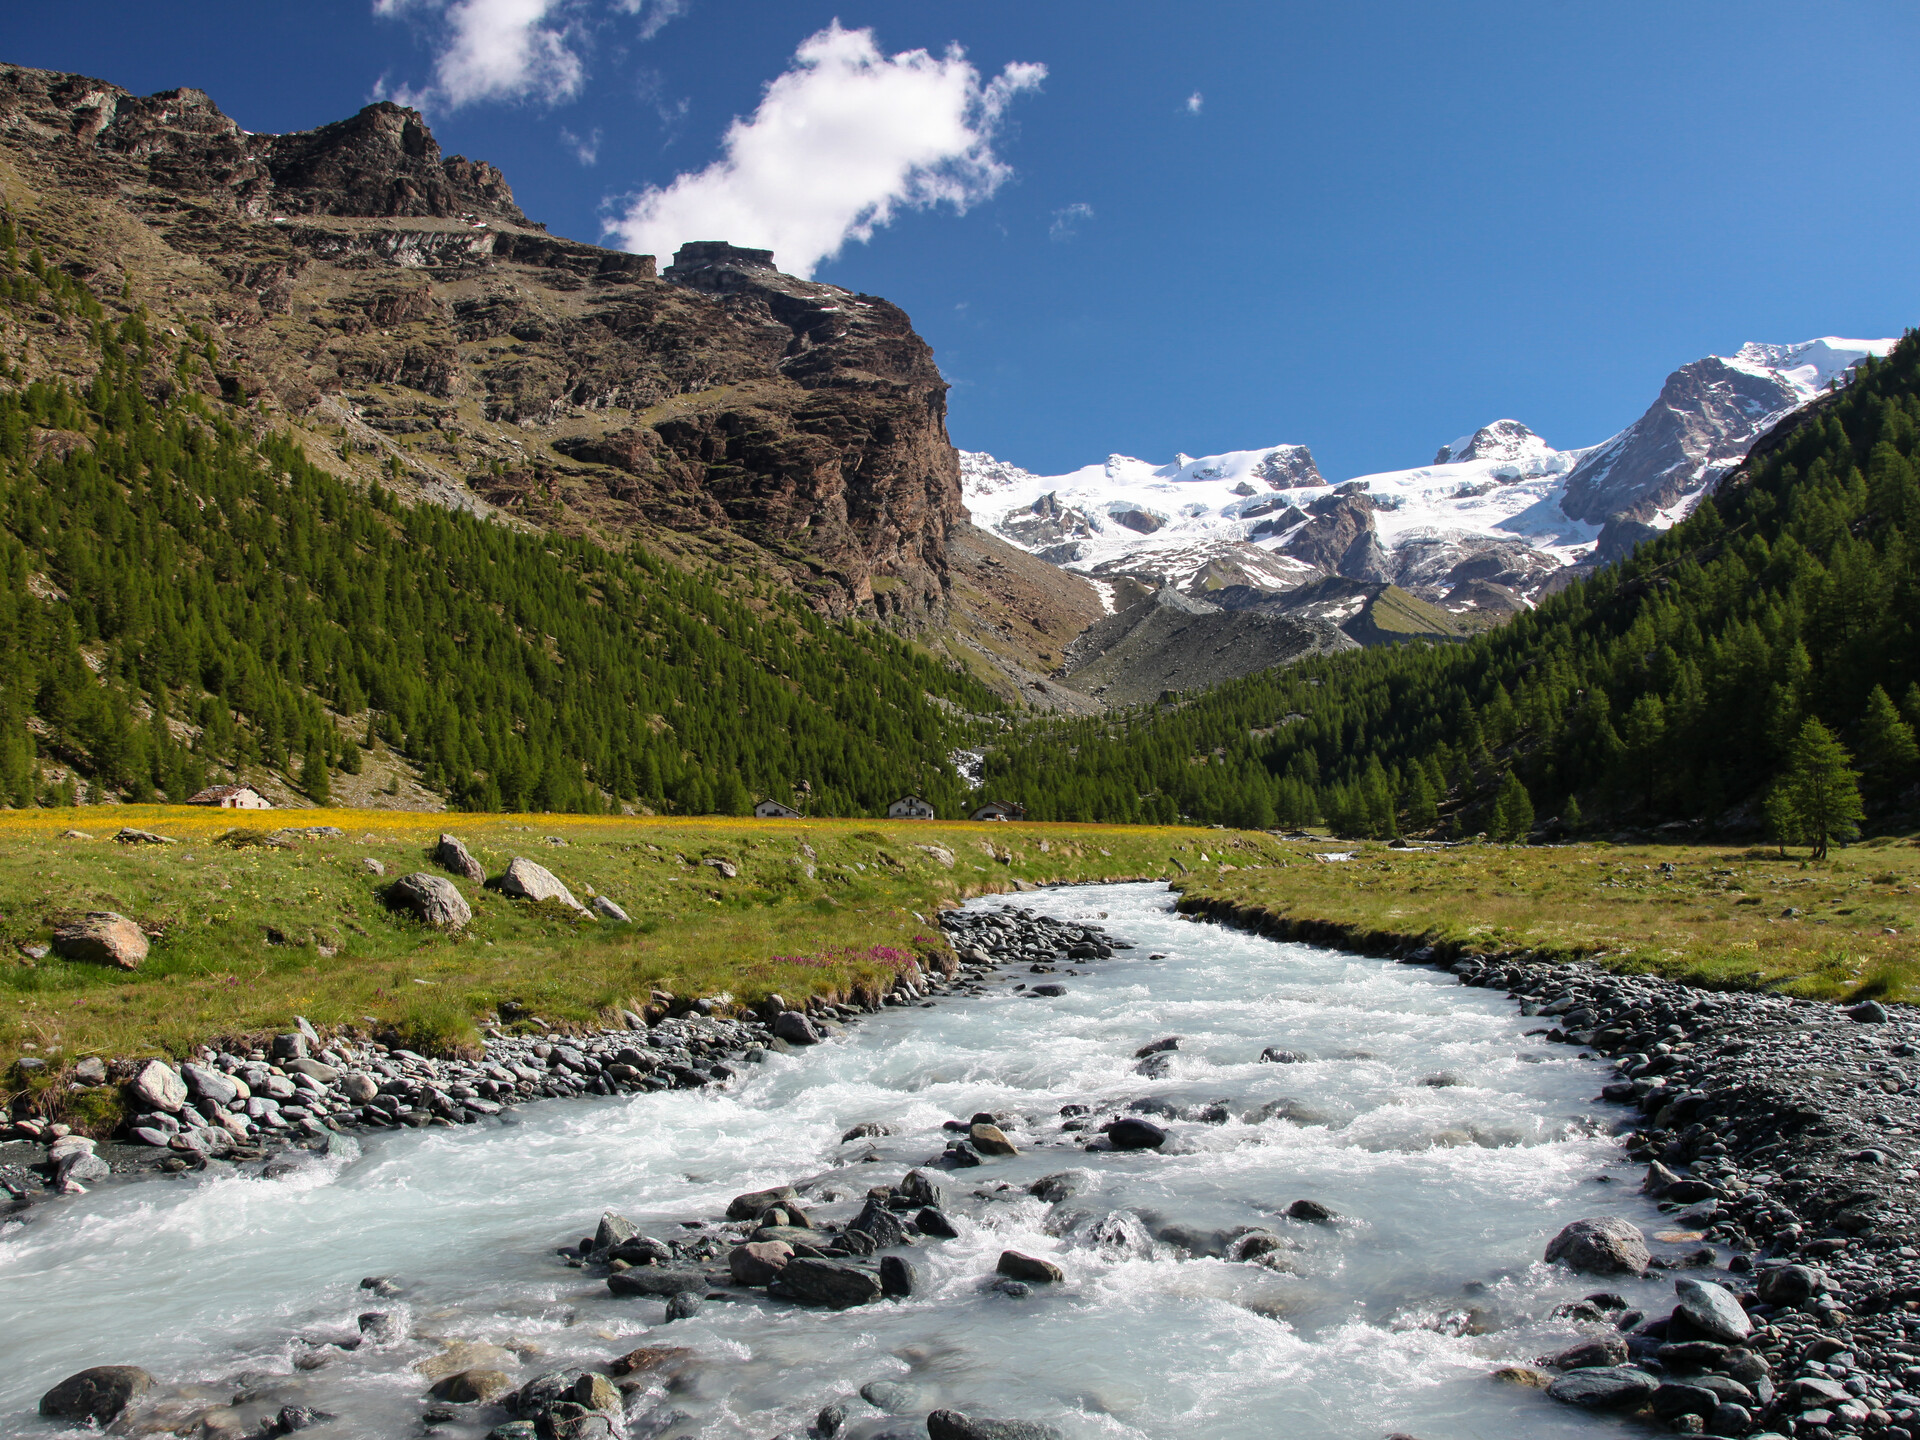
(1066,220)
(586,151)
(1194,102)
(499,50)
(839,142)
(654,15)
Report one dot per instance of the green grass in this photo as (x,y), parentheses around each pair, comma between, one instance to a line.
(1719,919)
(246,936)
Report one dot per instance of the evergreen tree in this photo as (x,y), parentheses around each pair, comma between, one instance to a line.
(1512,811)
(1888,751)
(1817,798)
(1570,815)
(1423,811)
(315,783)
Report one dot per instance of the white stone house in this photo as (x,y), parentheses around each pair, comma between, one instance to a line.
(232,797)
(910,807)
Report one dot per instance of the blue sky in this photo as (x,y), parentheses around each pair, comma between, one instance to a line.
(1367,227)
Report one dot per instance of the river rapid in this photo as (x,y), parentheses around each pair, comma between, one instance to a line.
(1450,1143)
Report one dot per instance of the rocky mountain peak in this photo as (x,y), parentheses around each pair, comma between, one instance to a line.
(382,162)
(1502,440)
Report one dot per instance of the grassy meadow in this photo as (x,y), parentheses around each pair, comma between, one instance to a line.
(1723,916)
(247,935)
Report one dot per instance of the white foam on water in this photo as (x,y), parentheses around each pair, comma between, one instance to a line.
(1392,1318)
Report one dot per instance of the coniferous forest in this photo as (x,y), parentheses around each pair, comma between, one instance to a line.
(1674,688)
(180,597)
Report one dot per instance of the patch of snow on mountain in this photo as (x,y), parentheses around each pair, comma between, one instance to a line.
(1810,365)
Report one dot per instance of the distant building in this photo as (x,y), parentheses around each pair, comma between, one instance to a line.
(774,810)
(231,797)
(910,807)
(1000,810)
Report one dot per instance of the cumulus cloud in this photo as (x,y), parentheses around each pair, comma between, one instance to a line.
(1066,220)
(498,50)
(839,143)
(1194,102)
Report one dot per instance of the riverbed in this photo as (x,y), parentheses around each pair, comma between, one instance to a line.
(1450,1144)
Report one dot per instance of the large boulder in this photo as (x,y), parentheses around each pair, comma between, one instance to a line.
(1607,1387)
(828,1282)
(655,1281)
(525,880)
(1132,1134)
(952,1425)
(750,1205)
(99,1394)
(794,1028)
(1790,1284)
(104,937)
(1018,1266)
(431,899)
(450,854)
(1604,1246)
(472,1387)
(1712,1310)
(989,1139)
(758,1262)
(158,1086)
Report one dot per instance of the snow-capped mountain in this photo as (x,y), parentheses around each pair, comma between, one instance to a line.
(1485,526)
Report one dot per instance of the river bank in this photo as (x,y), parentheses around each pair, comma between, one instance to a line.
(1400,1183)
(1784,1128)
(1748,1112)
(246,926)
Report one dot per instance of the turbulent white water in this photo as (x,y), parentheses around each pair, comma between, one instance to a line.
(1450,1193)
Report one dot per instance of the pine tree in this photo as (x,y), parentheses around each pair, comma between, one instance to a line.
(1570,815)
(1512,811)
(1888,751)
(1423,811)
(315,783)
(1817,799)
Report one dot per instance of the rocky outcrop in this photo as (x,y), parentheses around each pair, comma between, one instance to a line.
(396,310)
(1708,414)
(1172,642)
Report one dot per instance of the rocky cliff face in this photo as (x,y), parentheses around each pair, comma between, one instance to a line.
(1708,414)
(395,309)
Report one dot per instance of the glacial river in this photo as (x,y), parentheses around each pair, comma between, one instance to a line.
(1451,1145)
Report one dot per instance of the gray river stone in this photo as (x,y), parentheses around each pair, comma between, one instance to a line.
(1713,1310)
(209,1084)
(952,1425)
(1132,1134)
(655,1281)
(1606,1246)
(1607,1387)
(159,1087)
(99,1394)
(828,1282)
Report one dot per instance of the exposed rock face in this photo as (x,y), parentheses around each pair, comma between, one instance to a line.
(105,937)
(1709,413)
(354,276)
(1169,641)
